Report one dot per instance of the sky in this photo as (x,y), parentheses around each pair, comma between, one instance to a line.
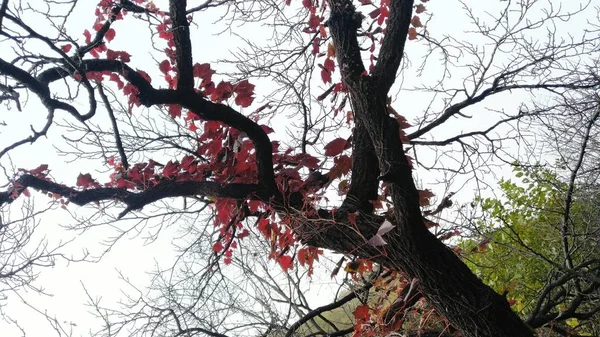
(134,255)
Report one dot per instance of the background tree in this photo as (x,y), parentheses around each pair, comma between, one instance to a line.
(521,253)
(197,142)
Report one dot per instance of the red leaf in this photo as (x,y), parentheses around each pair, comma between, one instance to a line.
(217,247)
(285,262)
(66,48)
(174,110)
(88,36)
(227,260)
(164,66)
(335,147)
(266,129)
(314,21)
(243,234)
(223,91)
(188,164)
(244,87)
(39,172)
(203,71)
(315,46)
(420,9)
(85,180)
(329,65)
(115,78)
(244,100)
(325,76)
(361,313)
(416,21)
(110,34)
(171,169)
(385,13)
(412,33)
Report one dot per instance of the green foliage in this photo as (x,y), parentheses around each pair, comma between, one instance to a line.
(522,239)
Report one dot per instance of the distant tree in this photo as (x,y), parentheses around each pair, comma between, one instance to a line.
(183,126)
(522,253)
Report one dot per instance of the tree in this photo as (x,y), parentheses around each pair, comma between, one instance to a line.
(210,153)
(522,252)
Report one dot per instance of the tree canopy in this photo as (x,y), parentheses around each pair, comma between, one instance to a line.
(308,134)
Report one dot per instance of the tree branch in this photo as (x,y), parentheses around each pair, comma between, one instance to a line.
(183,45)
(392,47)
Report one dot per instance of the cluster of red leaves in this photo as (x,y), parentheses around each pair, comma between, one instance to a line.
(386,311)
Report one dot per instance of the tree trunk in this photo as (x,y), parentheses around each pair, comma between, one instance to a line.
(446,282)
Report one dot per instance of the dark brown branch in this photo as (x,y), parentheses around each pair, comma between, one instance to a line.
(181,35)
(113,121)
(392,47)
(3,9)
(136,200)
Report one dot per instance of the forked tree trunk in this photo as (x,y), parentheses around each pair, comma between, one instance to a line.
(446,282)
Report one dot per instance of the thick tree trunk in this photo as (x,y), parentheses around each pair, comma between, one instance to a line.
(445,280)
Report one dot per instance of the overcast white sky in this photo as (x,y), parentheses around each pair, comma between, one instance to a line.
(131,255)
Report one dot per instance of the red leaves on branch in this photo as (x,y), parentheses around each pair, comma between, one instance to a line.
(38,172)
(66,48)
